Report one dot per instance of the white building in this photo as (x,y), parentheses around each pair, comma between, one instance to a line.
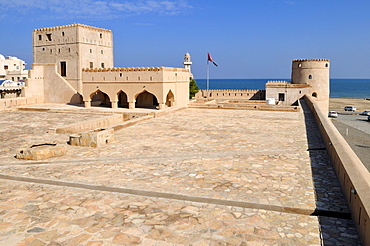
(12,68)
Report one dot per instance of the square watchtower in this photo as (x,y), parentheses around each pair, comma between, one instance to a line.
(73,47)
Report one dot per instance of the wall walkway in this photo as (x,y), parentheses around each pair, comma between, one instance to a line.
(352,174)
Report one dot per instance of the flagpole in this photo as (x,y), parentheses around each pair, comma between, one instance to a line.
(207,75)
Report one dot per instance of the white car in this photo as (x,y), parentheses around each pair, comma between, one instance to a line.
(350,108)
(333,114)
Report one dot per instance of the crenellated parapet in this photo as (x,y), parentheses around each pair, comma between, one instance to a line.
(311,60)
(49,29)
(278,82)
(231,91)
(134,69)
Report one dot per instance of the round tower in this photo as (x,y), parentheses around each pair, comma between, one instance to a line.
(187,63)
(316,73)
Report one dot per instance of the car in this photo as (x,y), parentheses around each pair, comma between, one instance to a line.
(350,108)
(333,114)
(366,112)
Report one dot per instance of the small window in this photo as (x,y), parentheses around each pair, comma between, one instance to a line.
(63,34)
(40,37)
(300,65)
(310,76)
(102,65)
(281,97)
(326,65)
(59,50)
(314,94)
(90,50)
(120,74)
(101,52)
(69,49)
(101,35)
(151,78)
(51,51)
(6,67)
(43,49)
(48,36)
(91,64)
(138,78)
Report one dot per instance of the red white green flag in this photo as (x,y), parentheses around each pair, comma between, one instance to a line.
(211,60)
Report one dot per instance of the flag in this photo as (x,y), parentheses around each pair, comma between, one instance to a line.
(211,60)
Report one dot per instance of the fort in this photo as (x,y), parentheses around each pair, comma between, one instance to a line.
(166,170)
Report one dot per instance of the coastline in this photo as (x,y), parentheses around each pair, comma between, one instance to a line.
(337,104)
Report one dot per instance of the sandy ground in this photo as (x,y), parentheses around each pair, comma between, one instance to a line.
(338,104)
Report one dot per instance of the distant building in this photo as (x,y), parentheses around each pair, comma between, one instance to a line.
(12,68)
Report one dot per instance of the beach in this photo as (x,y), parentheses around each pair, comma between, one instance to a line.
(337,104)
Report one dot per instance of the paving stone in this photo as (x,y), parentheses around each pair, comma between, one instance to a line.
(258,158)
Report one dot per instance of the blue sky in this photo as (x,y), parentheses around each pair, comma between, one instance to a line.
(247,38)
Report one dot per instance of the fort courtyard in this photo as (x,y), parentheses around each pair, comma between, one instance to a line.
(190,177)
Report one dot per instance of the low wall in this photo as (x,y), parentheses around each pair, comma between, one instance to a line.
(7,103)
(245,94)
(91,124)
(352,174)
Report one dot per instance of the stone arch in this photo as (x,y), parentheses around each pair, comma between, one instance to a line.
(99,98)
(122,99)
(170,99)
(146,99)
(314,94)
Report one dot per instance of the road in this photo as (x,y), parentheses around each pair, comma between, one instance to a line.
(356,131)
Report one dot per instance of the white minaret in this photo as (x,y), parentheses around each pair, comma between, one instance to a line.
(187,63)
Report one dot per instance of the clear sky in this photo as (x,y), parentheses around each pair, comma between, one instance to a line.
(247,38)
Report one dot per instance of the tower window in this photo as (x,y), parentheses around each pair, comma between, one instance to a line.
(314,94)
(101,52)
(120,74)
(63,68)
(48,36)
(63,34)
(310,76)
(91,64)
(40,37)
(101,35)
(6,67)
(90,50)
(102,65)
(326,65)
(300,65)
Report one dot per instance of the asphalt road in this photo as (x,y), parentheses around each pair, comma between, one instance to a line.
(356,131)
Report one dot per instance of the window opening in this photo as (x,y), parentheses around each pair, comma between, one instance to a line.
(40,37)
(63,34)
(91,65)
(310,76)
(102,65)
(63,68)
(48,36)
(281,97)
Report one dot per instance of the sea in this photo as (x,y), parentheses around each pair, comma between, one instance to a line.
(339,88)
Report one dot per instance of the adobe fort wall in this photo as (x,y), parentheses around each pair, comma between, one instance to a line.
(352,174)
(232,94)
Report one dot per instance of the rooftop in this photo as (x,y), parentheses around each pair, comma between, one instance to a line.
(194,176)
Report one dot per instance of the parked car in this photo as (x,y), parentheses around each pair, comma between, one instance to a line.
(333,114)
(350,108)
(366,112)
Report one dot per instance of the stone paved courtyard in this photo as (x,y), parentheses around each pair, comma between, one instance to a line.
(192,177)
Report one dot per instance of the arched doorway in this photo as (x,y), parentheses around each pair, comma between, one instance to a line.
(122,100)
(146,100)
(100,99)
(170,99)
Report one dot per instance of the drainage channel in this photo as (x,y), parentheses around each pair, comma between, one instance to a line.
(186,198)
